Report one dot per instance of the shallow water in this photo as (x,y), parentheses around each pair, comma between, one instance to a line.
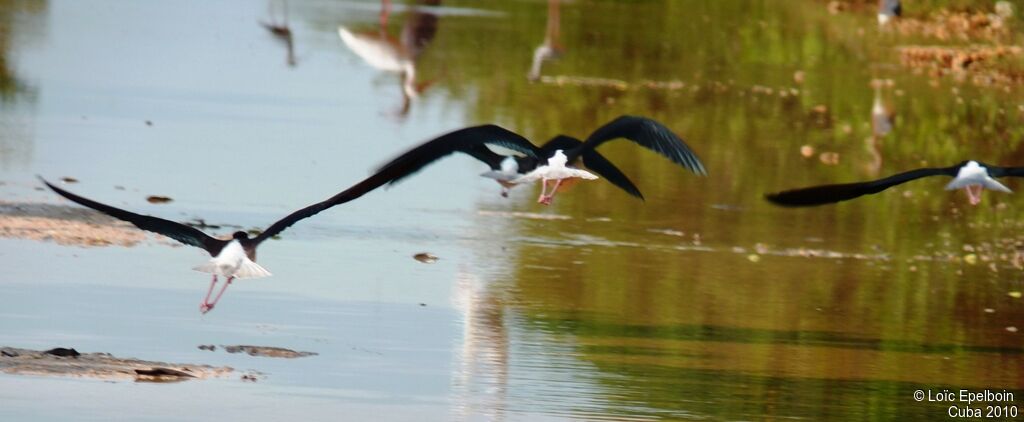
(702,302)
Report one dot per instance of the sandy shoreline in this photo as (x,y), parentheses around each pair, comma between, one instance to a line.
(67,225)
(101,366)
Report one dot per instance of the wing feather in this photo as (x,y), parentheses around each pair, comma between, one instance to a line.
(594,161)
(177,231)
(827,194)
(469,140)
(647,133)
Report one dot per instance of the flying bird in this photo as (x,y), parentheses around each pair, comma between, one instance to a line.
(509,170)
(972,176)
(555,170)
(233,258)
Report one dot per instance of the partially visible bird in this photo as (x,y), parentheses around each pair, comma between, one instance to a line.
(881,114)
(551,48)
(888,10)
(388,54)
(282,31)
(972,176)
(236,257)
(508,170)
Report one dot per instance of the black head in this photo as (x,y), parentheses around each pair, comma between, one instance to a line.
(240,235)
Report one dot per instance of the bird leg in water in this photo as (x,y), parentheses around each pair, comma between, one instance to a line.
(974,193)
(504,192)
(207,305)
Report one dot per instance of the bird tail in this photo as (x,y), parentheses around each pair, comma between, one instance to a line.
(208,267)
(498,175)
(994,184)
(250,269)
(988,183)
(583,174)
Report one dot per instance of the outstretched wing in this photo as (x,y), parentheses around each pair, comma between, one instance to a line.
(647,133)
(996,171)
(594,161)
(827,194)
(471,140)
(177,231)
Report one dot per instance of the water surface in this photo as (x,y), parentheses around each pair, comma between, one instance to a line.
(701,302)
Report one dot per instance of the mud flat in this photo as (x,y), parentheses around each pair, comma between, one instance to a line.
(70,363)
(65,225)
(267,351)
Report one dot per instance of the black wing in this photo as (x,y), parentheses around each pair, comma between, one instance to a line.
(647,133)
(486,155)
(827,194)
(594,161)
(996,171)
(560,142)
(469,140)
(177,231)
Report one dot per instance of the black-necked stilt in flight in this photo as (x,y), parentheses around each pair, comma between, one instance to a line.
(972,176)
(511,170)
(234,258)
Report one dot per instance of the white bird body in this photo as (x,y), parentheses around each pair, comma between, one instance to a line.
(375,50)
(973,174)
(877,107)
(555,169)
(385,55)
(232,261)
(974,178)
(509,171)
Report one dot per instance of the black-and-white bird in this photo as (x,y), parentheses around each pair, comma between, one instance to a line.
(512,170)
(888,10)
(972,176)
(235,257)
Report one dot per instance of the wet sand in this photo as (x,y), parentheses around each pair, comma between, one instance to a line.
(65,225)
(103,366)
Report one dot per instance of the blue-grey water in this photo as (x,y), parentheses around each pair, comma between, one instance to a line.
(702,302)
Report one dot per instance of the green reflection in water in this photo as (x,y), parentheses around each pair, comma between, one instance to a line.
(17,19)
(705,300)
(21,23)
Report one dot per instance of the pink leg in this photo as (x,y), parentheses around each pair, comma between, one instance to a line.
(206,306)
(974,194)
(543,191)
(554,190)
(219,294)
(546,197)
(385,10)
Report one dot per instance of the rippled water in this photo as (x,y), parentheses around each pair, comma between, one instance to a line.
(702,302)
